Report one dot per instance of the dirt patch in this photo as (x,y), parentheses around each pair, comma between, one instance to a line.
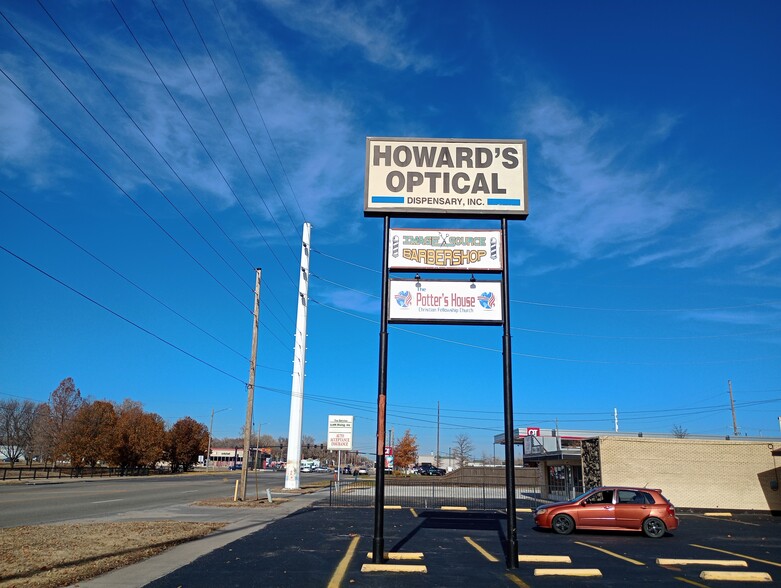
(47,556)
(228,503)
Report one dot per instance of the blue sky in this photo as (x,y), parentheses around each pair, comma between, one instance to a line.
(646,276)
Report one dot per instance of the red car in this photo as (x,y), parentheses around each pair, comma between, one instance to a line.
(611,508)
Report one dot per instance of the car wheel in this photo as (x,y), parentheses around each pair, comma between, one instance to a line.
(563,524)
(653,527)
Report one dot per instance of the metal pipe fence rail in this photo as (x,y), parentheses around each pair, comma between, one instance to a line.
(53,473)
(432,494)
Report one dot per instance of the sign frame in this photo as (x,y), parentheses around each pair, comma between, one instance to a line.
(446,311)
(445,245)
(340,426)
(483,192)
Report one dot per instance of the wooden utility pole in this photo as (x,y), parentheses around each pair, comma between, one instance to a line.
(250,390)
(732,406)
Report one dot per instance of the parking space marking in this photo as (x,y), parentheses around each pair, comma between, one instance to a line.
(756,559)
(629,559)
(580,573)
(717,514)
(341,569)
(692,582)
(400,556)
(391,507)
(731,520)
(544,559)
(405,568)
(737,576)
(523,510)
(480,550)
(517,581)
(453,508)
(414,512)
(738,563)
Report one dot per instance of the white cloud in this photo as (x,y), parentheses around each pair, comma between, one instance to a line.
(594,204)
(376,28)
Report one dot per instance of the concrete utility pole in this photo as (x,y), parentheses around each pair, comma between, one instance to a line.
(732,405)
(615,418)
(293,469)
(250,390)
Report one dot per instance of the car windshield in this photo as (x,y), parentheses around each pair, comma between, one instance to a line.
(580,496)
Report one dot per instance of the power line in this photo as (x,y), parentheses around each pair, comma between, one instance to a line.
(121,317)
(120,188)
(203,146)
(124,277)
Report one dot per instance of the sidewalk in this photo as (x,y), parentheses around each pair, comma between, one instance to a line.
(144,572)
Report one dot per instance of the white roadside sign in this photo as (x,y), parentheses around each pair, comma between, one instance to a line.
(438,301)
(340,432)
(461,178)
(445,250)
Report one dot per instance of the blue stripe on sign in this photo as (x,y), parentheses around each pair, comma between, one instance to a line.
(504,202)
(388,199)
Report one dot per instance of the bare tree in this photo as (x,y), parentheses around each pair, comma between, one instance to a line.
(463,449)
(680,432)
(16,429)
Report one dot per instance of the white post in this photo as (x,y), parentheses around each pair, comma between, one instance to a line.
(293,469)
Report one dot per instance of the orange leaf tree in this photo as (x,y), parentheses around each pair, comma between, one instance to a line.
(186,440)
(405,453)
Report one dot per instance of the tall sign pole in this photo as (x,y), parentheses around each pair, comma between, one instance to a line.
(378,544)
(293,470)
(250,390)
(509,438)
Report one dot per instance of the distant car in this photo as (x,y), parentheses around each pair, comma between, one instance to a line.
(321,469)
(611,508)
(363,472)
(428,469)
(306,469)
(347,470)
(234,467)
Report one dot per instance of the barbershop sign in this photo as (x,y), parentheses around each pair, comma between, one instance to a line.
(462,178)
(453,250)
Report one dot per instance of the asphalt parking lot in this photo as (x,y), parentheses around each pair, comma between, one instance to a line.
(329,547)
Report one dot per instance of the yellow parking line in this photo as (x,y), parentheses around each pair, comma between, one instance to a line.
(629,559)
(453,508)
(480,550)
(544,559)
(392,507)
(737,576)
(414,512)
(692,582)
(738,563)
(400,556)
(717,514)
(341,569)
(581,573)
(517,581)
(523,510)
(764,561)
(404,568)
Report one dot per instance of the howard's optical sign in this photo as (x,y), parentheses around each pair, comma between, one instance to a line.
(436,301)
(340,432)
(445,177)
(445,250)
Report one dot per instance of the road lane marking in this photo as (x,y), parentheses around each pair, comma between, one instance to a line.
(341,569)
(737,576)
(629,559)
(104,501)
(581,573)
(480,550)
(544,559)
(189,491)
(764,561)
(517,581)
(738,563)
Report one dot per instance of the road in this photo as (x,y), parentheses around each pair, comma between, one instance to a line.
(123,498)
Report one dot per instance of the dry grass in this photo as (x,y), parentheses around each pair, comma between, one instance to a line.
(47,556)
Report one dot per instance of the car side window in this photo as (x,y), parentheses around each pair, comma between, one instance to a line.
(602,497)
(648,498)
(629,497)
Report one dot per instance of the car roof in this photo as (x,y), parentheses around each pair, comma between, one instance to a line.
(636,488)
